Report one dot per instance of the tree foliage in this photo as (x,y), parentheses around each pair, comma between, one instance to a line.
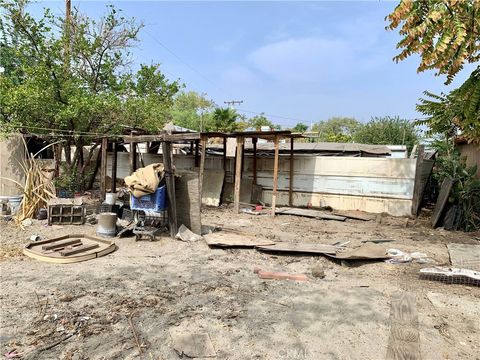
(445,33)
(456,112)
(336,129)
(388,131)
(192,111)
(224,119)
(300,128)
(258,121)
(71,79)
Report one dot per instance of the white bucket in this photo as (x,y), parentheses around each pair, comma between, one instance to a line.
(111,198)
(14,202)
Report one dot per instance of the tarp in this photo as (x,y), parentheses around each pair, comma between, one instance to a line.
(145,180)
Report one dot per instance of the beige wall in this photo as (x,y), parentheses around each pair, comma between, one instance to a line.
(472,153)
(12,150)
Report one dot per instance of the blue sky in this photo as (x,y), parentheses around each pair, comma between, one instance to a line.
(305,61)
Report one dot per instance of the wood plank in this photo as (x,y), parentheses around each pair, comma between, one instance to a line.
(275,177)
(404,340)
(317,214)
(230,239)
(113,187)
(254,160)
(442,199)
(170,182)
(60,244)
(103,169)
(79,249)
(162,137)
(290,179)
(355,214)
(299,248)
(203,142)
(133,157)
(238,176)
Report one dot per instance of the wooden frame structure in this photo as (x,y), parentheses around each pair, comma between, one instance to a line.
(200,140)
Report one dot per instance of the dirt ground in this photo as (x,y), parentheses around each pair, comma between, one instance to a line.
(168,286)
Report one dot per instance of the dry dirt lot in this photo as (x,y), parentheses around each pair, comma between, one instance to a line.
(169,286)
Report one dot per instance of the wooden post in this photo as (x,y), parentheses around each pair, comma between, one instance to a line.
(417,185)
(238,176)
(290,184)
(254,142)
(57,154)
(191,147)
(103,169)
(133,156)
(114,167)
(225,156)
(170,182)
(275,177)
(196,153)
(202,166)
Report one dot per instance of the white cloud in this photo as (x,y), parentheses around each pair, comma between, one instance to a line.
(303,59)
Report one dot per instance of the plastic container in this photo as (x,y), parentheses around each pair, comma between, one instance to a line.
(154,202)
(111,198)
(14,202)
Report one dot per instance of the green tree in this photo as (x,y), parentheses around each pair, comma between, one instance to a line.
(258,121)
(336,129)
(225,120)
(445,33)
(300,128)
(72,85)
(192,110)
(388,131)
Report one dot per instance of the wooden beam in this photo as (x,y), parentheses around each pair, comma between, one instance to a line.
(113,188)
(170,181)
(103,169)
(225,157)
(417,185)
(290,182)
(254,142)
(197,159)
(133,156)
(275,177)
(162,137)
(238,172)
(202,166)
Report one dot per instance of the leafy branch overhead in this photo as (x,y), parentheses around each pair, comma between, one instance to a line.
(444,33)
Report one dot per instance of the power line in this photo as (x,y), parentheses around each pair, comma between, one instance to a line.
(185,63)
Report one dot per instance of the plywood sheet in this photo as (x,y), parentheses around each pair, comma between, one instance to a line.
(212,187)
(465,256)
(309,213)
(355,214)
(445,190)
(300,248)
(188,201)
(229,239)
(404,340)
(368,251)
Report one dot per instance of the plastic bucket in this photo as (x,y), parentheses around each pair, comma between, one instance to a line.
(107,224)
(111,198)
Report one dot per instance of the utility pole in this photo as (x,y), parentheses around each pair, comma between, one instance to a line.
(232,103)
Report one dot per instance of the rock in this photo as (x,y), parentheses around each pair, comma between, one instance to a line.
(27,222)
(318,272)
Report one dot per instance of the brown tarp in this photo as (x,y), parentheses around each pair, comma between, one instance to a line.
(145,181)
